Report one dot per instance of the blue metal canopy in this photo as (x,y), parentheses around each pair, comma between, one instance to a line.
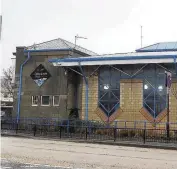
(159,47)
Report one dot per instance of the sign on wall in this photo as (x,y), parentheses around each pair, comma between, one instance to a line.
(40,75)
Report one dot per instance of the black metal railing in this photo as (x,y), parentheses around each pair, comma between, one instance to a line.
(90,132)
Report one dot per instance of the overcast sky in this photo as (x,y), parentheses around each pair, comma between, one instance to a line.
(110,25)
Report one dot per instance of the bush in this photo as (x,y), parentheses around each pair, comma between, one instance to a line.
(99,132)
(123,133)
(132,133)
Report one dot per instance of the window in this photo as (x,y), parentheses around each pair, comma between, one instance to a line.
(56,100)
(45,100)
(109,90)
(154,89)
(35,100)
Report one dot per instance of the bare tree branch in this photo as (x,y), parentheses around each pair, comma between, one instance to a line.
(6,82)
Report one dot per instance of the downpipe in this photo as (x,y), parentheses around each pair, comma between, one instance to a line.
(87,91)
(20,88)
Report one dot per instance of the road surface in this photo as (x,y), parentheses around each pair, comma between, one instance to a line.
(6,164)
(52,154)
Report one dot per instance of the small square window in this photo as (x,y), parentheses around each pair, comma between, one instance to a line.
(56,100)
(45,100)
(35,100)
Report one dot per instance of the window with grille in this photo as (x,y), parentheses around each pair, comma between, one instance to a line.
(109,90)
(154,90)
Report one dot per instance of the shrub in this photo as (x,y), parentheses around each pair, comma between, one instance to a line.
(99,132)
(132,133)
(123,133)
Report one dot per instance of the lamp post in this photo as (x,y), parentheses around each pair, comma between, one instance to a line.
(168,85)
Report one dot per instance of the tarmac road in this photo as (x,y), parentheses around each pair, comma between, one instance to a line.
(18,152)
(6,164)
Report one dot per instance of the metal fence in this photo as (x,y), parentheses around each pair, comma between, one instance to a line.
(89,130)
(118,124)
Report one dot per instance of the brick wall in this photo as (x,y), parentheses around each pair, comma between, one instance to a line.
(131,101)
(172,106)
(173,103)
(131,105)
(93,98)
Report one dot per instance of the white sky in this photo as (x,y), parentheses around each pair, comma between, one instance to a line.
(110,25)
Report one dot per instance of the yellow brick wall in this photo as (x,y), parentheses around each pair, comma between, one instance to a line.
(131,104)
(93,98)
(131,101)
(172,106)
(173,103)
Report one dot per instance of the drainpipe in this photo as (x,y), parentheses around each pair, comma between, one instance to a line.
(175,65)
(20,88)
(86,94)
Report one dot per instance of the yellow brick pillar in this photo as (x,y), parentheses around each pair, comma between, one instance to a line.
(92,98)
(173,105)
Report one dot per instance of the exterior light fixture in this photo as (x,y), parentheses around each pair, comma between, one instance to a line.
(66,72)
(106,87)
(160,88)
(146,86)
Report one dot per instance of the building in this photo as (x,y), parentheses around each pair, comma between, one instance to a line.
(58,76)
(44,88)
(6,105)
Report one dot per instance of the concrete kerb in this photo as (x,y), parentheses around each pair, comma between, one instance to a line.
(127,144)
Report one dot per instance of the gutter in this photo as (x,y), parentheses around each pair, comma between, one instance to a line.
(113,58)
(47,50)
(158,50)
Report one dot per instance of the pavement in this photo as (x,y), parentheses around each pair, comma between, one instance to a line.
(19,152)
(157,145)
(6,164)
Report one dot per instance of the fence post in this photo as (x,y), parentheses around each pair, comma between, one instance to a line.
(86,133)
(35,129)
(115,135)
(16,128)
(60,132)
(144,136)
(125,124)
(68,126)
(168,129)
(144,124)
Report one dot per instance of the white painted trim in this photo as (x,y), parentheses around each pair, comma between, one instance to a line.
(33,99)
(54,102)
(49,100)
(115,62)
(124,55)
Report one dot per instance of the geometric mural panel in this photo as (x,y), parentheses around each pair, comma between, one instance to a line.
(40,75)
